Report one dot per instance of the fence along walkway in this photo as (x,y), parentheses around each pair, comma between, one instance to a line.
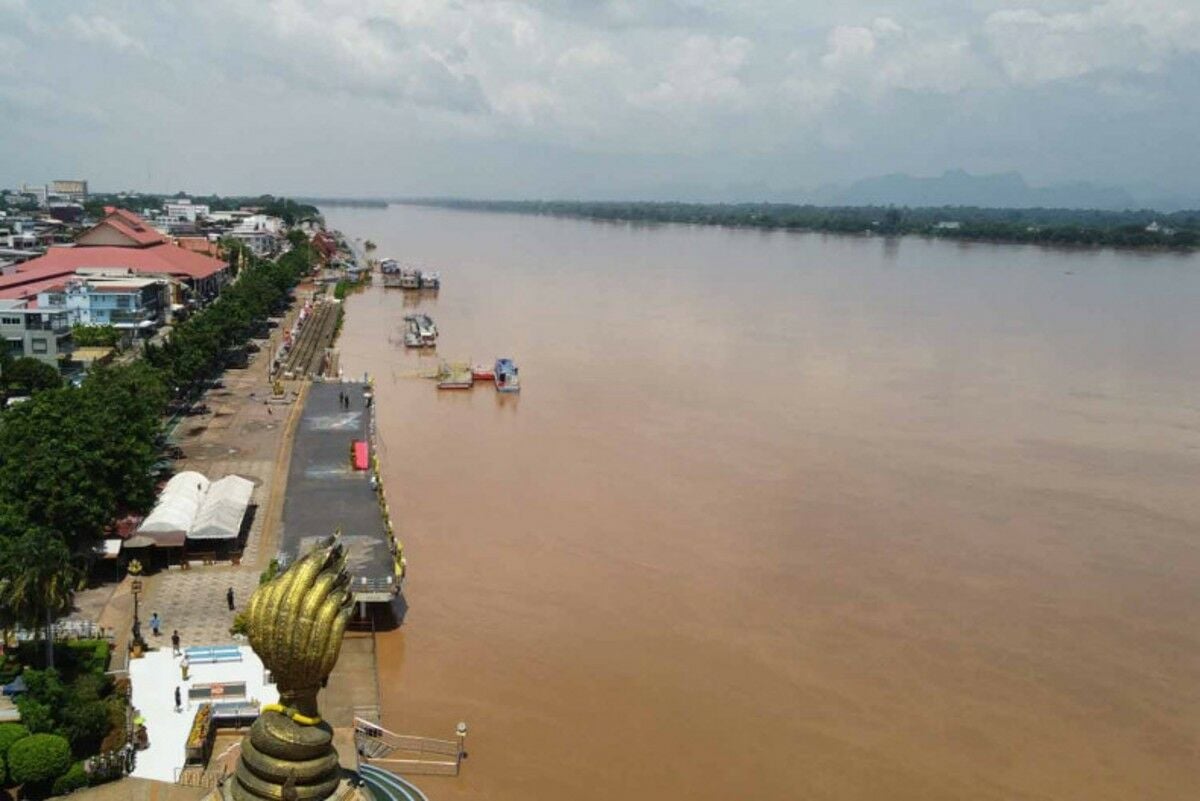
(405,753)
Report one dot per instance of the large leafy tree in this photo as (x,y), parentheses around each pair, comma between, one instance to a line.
(29,375)
(40,578)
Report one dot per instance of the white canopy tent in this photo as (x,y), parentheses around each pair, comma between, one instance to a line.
(221,512)
(175,511)
(192,507)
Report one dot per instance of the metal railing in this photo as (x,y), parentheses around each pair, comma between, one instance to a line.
(387,743)
(70,629)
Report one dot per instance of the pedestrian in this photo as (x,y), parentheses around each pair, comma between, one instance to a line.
(269,413)
(183,668)
(229,598)
(175,642)
(178,700)
(154,624)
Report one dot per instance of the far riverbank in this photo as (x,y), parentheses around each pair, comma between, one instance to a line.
(1143,230)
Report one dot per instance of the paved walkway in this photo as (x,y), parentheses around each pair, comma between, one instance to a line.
(193,601)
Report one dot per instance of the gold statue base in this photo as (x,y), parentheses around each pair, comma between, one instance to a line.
(283,760)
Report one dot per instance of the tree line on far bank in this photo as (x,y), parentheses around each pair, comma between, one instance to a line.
(1124,229)
(73,459)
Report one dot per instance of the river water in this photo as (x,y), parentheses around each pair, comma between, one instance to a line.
(783,516)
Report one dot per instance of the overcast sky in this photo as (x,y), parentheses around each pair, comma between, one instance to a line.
(571,98)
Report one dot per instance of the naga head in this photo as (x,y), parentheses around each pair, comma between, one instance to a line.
(296,621)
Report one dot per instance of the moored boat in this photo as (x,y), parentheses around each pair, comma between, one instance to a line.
(410,278)
(454,375)
(506,376)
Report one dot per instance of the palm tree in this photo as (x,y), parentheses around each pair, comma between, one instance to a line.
(40,583)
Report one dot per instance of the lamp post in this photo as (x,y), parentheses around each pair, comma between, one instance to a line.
(135,570)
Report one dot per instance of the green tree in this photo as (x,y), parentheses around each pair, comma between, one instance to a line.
(30,375)
(40,583)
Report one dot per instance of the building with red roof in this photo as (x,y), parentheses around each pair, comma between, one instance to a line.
(121,241)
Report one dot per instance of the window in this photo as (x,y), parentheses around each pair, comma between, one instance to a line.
(40,346)
(122,301)
(10,320)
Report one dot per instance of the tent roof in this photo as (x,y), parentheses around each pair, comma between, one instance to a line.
(220,515)
(177,504)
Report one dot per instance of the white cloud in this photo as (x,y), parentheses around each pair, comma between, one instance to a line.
(101,30)
(769,80)
(1035,46)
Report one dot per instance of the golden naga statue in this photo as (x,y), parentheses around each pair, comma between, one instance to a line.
(295,623)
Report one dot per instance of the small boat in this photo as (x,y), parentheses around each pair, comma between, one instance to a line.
(454,376)
(506,377)
(389,267)
(481,372)
(411,338)
(431,281)
(423,328)
(410,278)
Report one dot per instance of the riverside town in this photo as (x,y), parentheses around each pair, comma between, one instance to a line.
(672,400)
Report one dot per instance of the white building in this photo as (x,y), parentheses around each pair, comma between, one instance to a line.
(184,210)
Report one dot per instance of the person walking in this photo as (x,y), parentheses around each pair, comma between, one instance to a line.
(229,598)
(155,623)
(178,700)
(184,665)
(175,642)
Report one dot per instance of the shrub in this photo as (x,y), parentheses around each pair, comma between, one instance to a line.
(75,778)
(9,734)
(38,759)
(36,715)
(84,724)
(90,655)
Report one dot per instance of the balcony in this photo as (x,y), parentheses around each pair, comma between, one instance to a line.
(136,318)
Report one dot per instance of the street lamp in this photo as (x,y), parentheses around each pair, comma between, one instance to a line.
(135,570)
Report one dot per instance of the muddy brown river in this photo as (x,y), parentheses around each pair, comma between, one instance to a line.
(791,516)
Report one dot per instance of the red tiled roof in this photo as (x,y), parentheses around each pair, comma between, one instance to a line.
(31,288)
(129,225)
(58,263)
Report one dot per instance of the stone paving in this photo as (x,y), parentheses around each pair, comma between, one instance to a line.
(193,601)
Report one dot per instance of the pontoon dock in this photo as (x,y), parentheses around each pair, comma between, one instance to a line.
(325,492)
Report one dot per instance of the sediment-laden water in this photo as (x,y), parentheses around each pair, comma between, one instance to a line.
(787,516)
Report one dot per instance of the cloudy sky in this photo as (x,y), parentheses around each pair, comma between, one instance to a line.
(579,98)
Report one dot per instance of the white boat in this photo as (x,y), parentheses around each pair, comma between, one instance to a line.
(423,327)
(431,280)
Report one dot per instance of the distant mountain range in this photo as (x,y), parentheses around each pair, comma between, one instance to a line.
(998,190)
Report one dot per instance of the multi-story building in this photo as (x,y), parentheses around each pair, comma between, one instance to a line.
(184,210)
(71,190)
(134,306)
(29,330)
(40,194)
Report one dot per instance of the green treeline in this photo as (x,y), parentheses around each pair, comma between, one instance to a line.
(1124,229)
